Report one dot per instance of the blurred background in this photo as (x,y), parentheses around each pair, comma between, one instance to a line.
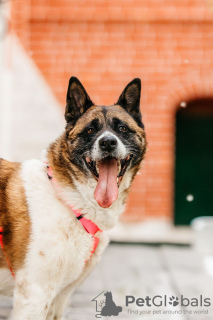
(106,43)
(167,43)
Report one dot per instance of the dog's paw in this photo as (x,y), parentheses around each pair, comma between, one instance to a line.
(173,301)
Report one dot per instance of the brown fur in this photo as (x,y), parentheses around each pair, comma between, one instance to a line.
(58,160)
(14,218)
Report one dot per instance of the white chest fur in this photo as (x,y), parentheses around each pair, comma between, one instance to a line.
(59,245)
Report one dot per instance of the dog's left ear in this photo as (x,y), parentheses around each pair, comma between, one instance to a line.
(78,101)
(130,100)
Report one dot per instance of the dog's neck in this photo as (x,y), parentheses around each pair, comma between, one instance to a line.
(78,190)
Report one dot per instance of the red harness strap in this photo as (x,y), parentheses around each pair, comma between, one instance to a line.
(88,225)
(1,243)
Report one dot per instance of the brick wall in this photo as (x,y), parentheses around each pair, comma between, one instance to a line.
(168,44)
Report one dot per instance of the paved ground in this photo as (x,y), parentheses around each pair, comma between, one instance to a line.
(142,271)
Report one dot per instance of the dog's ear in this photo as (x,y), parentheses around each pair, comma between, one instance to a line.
(130,100)
(77,102)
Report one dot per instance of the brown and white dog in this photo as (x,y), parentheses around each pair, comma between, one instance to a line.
(93,164)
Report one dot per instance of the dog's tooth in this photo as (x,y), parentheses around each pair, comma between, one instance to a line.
(97,168)
(117,180)
(119,166)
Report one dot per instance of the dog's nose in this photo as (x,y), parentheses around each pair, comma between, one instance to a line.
(108,143)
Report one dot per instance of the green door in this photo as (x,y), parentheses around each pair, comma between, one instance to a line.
(194,161)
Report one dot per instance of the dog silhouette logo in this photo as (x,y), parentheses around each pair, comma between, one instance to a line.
(105,305)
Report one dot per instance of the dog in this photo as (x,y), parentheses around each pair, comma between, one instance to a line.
(53,213)
(110,308)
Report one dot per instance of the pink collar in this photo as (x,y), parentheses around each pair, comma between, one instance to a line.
(88,225)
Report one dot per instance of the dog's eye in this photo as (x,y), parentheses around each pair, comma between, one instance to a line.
(122,129)
(90,130)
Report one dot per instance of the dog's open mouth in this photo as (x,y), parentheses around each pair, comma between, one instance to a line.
(109,173)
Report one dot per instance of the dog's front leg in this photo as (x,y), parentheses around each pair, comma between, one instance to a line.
(58,305)
(31,301)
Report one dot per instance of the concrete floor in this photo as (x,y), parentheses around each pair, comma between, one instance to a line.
(140,271)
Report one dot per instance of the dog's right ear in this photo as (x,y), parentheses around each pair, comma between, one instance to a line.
(77,102)
(129,100)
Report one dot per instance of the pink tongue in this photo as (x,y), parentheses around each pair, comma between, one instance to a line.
(106,191)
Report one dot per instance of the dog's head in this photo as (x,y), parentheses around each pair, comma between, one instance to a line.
(108,294)
(105,142)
